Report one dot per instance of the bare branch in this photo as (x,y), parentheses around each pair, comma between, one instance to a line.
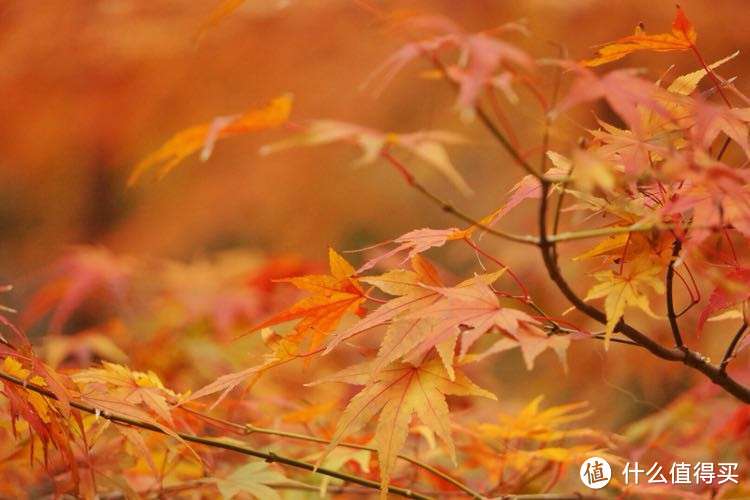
(671,314)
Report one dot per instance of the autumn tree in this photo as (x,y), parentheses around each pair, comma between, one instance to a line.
(654,199)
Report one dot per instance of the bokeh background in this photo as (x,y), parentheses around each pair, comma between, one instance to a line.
(90,87)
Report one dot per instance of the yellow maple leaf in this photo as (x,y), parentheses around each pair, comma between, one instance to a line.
(127,391)
(398,392)
(546,426)
(202,137)
(11,366)
(682,37)
(627,289)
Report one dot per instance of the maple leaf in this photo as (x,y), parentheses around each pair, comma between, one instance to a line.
(412,324)
(203,137)
(658,132)
(221,11)
(254,478)
(226,383)
(484,55)
(416,242)
(331,297)
(215,289)
(529,187)
(731,290)
(48,420)
(545,426)
(711,119)
(627,289)
(713,195)
(686,84)
(624,91)
(634,150)
(77,276)
(118,389)
(471,310)
(413,294)
(426,145)
(682,37)
(480,58)
(613,246)
(397,392)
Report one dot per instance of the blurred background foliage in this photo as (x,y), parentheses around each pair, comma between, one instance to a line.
(90,87)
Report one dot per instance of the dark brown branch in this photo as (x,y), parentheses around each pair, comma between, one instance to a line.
(687,357)
(671,314)
(500,137)
(729,354)
(548,248)
(497,134)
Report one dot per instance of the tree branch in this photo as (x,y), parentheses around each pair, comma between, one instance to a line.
(687,357)
(269,457)
(450,209)
(252,429)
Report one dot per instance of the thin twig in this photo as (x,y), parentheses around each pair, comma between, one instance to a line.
(500,137)
(252,429)
(451,209)
(729,354)
(671,314)
(497,134)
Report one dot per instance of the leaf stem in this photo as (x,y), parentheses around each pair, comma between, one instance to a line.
(513,275)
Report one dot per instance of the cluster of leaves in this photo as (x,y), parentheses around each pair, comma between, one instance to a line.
(668,187)
(93,422)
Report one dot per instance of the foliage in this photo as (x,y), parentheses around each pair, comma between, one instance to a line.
(658,192)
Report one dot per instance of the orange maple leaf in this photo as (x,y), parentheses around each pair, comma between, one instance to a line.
(544,426)
(220,12)
(682,37)
(203,137)
(331,297)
